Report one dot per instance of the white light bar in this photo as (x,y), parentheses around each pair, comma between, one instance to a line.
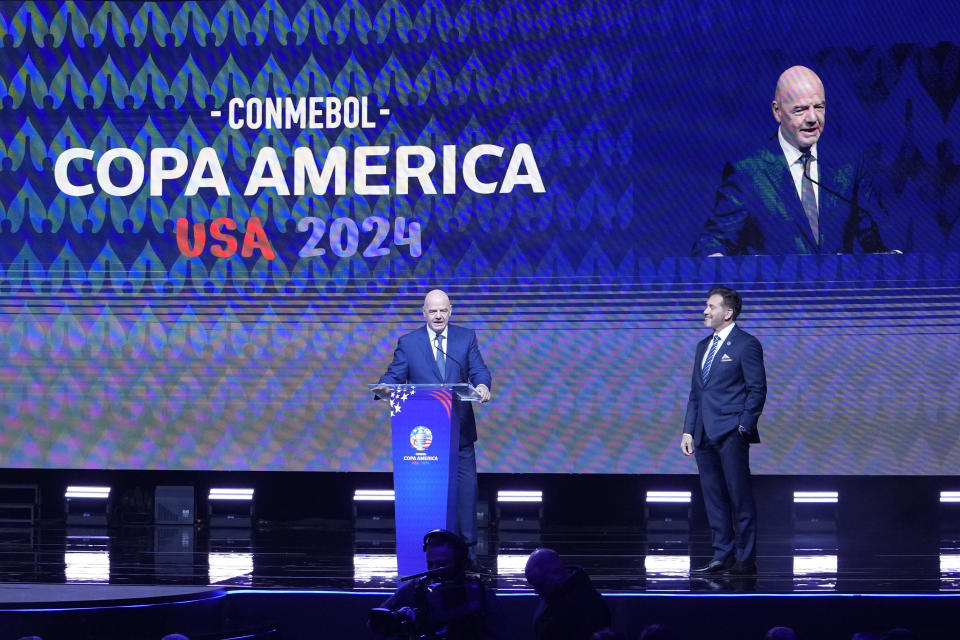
(668,496)
(519,496)
(373,568)
(511,564)
(950,563)
(815,496)
(666,565)
(87,492)
(228,566)
(231,494)
(373,495)
(86,566)
(950,496)
(814,565)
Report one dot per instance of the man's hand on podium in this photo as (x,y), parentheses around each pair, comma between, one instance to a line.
(484,392)
(381,392)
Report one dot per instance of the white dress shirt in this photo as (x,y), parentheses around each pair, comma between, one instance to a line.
(433,340)
(723,336)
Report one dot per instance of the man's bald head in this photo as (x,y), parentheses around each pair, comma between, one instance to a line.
(437,310)
(799,105)
(797,81)
(435,296)
(545,571)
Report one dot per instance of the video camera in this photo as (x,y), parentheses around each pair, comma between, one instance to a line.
(445,609)
(447,604)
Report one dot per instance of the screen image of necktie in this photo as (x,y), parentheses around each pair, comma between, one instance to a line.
(705,371)
(441,358)
(808,198)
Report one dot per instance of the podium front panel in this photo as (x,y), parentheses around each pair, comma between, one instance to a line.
(426,440)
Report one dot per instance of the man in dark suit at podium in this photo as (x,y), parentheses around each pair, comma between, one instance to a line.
(727,392)
(782,199)
(444,353)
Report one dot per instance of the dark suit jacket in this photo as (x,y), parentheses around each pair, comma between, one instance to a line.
(734,392)
(413,362)
(574,611)
(757,210)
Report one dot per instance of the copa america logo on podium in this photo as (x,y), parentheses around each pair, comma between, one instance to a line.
(420,438)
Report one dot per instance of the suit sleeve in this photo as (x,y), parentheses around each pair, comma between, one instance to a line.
(693,402)
(755,380)
(399,370)
(476,369)
(724,228)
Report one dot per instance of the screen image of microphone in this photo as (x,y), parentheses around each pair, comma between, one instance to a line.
(850,201)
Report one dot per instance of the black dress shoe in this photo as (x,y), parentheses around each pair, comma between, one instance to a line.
(701,582)
(715,567)
(743,569)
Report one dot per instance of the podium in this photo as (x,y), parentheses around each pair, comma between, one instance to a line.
(426,440)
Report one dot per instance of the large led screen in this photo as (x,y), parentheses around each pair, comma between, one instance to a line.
(216,219)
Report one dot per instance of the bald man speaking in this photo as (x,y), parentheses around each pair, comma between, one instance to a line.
(440,352)
(785,198)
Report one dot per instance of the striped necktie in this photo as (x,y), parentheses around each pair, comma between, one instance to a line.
(808,198)
(441,358)
(705,371)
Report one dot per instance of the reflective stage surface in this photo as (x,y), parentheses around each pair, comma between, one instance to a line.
(829,572)
(811,557)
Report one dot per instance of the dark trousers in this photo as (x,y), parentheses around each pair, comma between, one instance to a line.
(467,494)
(724,466)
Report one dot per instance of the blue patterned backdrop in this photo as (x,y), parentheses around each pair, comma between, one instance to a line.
(119,351)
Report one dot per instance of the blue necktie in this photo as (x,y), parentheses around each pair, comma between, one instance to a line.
(705,371)
(441,359)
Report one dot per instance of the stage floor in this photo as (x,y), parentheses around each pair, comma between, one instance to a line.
(336,557)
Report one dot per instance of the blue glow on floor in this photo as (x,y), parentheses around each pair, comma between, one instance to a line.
(619,594)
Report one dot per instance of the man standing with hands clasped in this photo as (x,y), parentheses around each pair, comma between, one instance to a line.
(727,392)
(445,353)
